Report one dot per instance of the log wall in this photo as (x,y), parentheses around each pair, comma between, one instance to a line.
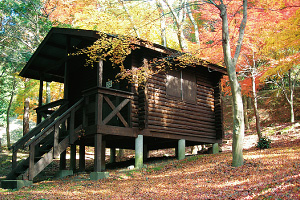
(200,120)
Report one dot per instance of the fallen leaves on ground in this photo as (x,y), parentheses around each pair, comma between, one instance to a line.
(266,174)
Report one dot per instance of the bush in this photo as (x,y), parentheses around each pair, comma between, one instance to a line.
(264,143)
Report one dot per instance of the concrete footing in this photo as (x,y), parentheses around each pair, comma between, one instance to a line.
(98,175)
(215,148)
(181,149)
(15,184)
(139,152)
(63,173)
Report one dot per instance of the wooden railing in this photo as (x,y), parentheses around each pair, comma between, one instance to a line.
(26,138)
(94,103)
(59,144)
(46,110)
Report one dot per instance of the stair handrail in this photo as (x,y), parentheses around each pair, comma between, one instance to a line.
(37,138)
(22,141)
(51,105)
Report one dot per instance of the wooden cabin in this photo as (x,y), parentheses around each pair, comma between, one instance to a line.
(174,109)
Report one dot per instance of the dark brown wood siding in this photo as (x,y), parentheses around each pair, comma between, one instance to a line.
(135,105)
(172,115)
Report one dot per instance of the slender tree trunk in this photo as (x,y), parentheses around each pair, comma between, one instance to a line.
(26,116)
(26,111)
(290,97)
(8,112)
(237,101)
(48,93)
(0,143)
(130,18)
(196,29)
(255,107)
(245,101)
(162,23)
(291,87)
(179,16)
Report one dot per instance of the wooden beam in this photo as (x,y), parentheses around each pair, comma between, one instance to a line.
(98,153)
(81,156)
(116,130)
(63,160)
(73,157)
(39,117)
(118,113)
(115,111)
(98,109)
(67,71)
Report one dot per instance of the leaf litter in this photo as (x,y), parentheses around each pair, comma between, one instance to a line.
(266,174)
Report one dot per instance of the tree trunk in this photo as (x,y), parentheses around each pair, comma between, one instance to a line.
(196,29)
(8,112)
(291,87)
(48,93)
(0,143)
(162,23)
(245,101)
(130,18)
(290,97)
(256,114)
(26,116)
(237,101)
(26,111)
(179,16)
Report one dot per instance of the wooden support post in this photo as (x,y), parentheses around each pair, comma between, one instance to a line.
(98,165)
(14,158)
(67,71)
(56,141)
(139,152)
(99,97)
(71,127)
(84,112)
(181,149)
(103,155)
(98,109)
(82,156)
(112,158)
(39,116)
(73,157)
(31,162)
(63,161)
(145,152)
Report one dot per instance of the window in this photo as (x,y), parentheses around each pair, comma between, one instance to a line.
(182,84)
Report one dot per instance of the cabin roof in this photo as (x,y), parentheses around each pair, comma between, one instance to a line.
(49,59)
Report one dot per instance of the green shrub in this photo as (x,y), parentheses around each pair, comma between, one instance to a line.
(264,143)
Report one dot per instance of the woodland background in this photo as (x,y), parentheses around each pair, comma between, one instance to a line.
(269,61)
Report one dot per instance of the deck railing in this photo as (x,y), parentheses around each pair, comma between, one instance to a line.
(95,98)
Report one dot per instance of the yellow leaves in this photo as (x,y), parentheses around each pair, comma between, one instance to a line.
(115,49)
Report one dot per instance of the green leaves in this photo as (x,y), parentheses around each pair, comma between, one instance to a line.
(264,143)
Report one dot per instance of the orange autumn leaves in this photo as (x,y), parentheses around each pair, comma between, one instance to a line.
(267,174)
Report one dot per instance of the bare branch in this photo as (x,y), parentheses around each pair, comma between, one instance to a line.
(241,33)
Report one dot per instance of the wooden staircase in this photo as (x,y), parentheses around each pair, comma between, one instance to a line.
(46,142)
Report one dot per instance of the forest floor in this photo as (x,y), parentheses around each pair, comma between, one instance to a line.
(272,173)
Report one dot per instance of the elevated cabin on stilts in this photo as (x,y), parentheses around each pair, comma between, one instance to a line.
(173,109)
